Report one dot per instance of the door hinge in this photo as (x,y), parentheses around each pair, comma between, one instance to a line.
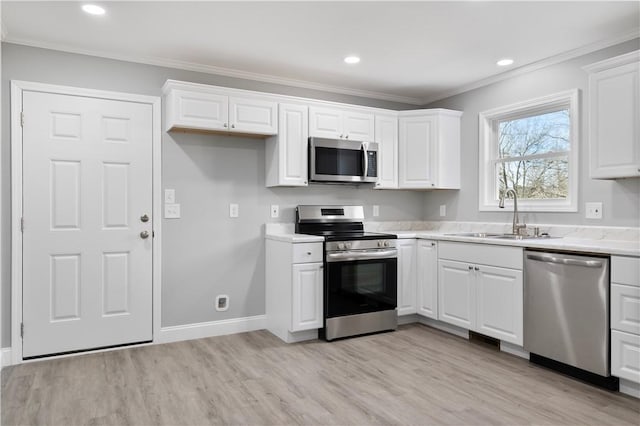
(22,119)
(22,224)
(21,329)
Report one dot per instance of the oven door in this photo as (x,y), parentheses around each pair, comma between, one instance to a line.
(356,285)
(342,161)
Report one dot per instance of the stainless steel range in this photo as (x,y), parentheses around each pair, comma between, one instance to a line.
(360,271)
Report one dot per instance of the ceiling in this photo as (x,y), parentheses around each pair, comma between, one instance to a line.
(411,52)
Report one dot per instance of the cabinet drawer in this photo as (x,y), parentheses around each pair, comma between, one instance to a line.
(483,254)
(625,356)
(307,252)
(625,308)
(625,270)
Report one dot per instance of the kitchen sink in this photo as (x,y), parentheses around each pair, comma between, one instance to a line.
(501,236)
(475,235)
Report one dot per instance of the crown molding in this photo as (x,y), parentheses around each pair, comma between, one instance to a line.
(211,69)
(552,60)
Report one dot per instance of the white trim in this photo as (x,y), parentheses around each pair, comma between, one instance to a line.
(212,328)
(407,319)
(630,388)
(486,152)
(17,89)
(212,69)
(443,326)
(616,61)
(6,357)
(552,60)
(512,349)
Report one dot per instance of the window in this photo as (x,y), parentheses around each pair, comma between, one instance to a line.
(531,147)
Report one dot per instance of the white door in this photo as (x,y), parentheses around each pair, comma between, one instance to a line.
(306,293)
(456,300)
(358,126)
(427,278)
(253,116)
(406,276)
(387,138)
(87,182)
(325,123)
(417,138)
(499,303)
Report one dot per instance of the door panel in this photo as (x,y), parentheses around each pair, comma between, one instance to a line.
(427,279)
(307,296)
(325,123)
(87,180)
(359,126)
(499,303)
(455,293)
(406,276)
(253,116)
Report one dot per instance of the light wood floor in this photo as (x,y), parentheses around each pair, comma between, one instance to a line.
(416,375)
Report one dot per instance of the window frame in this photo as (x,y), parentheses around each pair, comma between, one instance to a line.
(488,155)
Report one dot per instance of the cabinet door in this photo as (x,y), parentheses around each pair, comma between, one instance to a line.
(406,276)
(292,145)
(194,110)
(256,116)
(358,126)
(427,258)
(456,293)
(625,355)
(614,127)
(416,148)
(306,295)
(625,308)
(386,133)
(325,123)
(499,303)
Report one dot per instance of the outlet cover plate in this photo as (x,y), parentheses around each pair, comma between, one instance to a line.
(234,210)
(275,211)
(593,210)
(376,211)
(172,211)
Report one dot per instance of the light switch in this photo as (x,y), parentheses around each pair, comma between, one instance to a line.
(234,210)
(169,196)
(172,211)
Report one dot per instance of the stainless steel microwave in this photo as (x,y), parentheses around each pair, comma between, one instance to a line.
(336,160)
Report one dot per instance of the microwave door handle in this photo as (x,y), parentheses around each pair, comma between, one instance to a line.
(366,160)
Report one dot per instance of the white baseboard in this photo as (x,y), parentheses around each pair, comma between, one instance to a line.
(449,328)
(512,349)
(407,319)
(630,388)
(5,357)
(210,329)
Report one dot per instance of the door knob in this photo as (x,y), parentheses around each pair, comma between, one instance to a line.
(144,235)
(144,218)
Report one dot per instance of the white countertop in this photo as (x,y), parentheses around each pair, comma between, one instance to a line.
(588,245)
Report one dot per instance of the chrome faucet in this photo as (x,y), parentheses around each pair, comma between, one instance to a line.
(517,226)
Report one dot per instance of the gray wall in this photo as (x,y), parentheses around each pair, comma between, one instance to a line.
(205,253)
(620,198)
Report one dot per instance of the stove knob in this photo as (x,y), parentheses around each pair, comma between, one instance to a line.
(386,243)
(380,243)
(340,246)
(348,245)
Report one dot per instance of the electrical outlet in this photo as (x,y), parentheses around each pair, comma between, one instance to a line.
(376,211)
(172,211)
(234,210)
(169,196)
(443,210)
(593,210)
(222,302)
(275,210)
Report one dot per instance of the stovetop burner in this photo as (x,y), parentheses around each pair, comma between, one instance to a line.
(356,235)
(335,223)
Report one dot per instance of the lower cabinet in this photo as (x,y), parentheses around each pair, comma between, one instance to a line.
(427,283)
(406,276)
(294,289)
(487,299)
(306,292)
(625,355)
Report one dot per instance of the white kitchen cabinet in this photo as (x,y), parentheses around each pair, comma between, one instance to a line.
(429,149)
(406,276)
(294,289)
(625,318)
(386,135)
(306,296)
(286,154)
(335,123)
(480,288)
(190,106)
(427,280)
(614,117)
(456,293)
(499,303)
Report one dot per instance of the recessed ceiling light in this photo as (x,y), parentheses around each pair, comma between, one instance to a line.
(93,9)
(504,62)
(352,59)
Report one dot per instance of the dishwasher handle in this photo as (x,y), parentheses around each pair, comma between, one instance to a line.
(565,261)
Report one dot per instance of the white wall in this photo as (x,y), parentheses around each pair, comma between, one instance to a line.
(205,253)
(621,198)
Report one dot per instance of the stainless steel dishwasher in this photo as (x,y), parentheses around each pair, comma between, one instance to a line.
(566,314)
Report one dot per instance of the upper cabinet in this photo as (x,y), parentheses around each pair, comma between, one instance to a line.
(286,153)
(429,149)
(614,116)
(336,123)
(191,106)
(386,135)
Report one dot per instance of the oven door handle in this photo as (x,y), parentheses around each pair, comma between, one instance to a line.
(345,256)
